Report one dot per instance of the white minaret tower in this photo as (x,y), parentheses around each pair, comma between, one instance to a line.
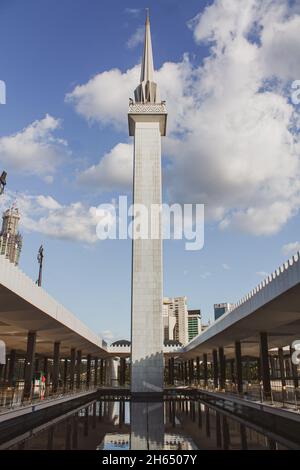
(147,118)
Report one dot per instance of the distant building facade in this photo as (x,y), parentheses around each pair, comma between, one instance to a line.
(194,323)
(175,319)
(221,309)
(169,319)
(10,237)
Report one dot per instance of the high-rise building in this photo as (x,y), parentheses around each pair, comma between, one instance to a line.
(10,237)
(194,323)
(220,309)
(147,117)
(181,314)
(175,319)
(169,319)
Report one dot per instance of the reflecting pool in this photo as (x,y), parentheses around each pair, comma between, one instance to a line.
(169,425)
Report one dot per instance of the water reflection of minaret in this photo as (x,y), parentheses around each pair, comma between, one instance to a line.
(147,425)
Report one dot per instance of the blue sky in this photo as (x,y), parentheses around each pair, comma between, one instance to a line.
(229,145)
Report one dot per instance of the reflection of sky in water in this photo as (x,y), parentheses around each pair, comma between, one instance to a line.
(115,442)
(176,425)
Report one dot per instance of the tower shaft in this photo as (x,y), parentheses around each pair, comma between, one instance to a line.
(146,320)
(147,123)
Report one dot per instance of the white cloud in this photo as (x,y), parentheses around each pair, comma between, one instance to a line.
(233,139)
(114,170)
(45,215)
(35,149)
(104,98)
(136,38)
(291,248)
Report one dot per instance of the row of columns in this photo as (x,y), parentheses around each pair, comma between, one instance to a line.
(186,370)
(72,368)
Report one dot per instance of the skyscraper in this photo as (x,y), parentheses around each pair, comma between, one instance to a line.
(147,119)
(181,314)
(220,309)
(176,319)
(194,323)
(169,319)
(10,237)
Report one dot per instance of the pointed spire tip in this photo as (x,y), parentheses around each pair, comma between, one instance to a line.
(147,16)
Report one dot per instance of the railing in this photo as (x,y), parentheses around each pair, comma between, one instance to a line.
(13,397)
(283,396)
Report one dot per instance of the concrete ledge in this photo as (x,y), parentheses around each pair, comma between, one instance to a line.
(147,397)
(24,419)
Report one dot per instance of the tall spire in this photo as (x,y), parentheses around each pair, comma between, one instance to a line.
(147,70)
(147,91)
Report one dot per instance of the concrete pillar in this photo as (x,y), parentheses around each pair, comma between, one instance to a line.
(147,367)
(30,359)
(294,369)
(88,370)
(185,372)
(46,370)
(11,368)
(281,366)
(190,373)
(65,373)
(1,372)
(258,370)
(101,371)
(5,369)
(264,364)
(56,360)
(122,370)
(215,368)
(72,368)
(172,363)
(231,363)
(113,372)
(182,372)
(104,371)
(222,368)
(239,367)
(273,368)
(96,372)
(205,374)
(78,369)
(247,369)
(198,369)
(169,371)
